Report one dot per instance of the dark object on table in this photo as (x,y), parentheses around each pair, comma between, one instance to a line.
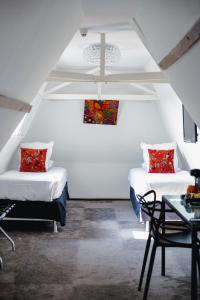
(190,204)
(196,174)
(164,234)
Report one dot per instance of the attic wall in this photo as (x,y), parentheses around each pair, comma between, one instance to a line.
(163,24)
(97,157)
(171,111)
(28,30)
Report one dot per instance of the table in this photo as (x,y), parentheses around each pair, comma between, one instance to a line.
(192,219)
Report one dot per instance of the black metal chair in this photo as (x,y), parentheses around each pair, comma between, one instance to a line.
(4,210)
(164,234)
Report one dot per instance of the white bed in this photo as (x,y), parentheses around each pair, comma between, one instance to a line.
(164,184)
(45,186)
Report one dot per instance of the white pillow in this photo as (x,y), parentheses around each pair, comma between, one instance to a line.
(163,146)
(40,145)
(51,162)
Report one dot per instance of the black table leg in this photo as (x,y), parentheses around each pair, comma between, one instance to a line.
(194,266)
(163,248)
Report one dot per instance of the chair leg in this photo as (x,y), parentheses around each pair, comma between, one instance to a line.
(9,238)
(1,263)
(151,263)
(144,262)
(163,261)
(55,227)
(198,262)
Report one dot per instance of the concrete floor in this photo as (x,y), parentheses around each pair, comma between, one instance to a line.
(96,256)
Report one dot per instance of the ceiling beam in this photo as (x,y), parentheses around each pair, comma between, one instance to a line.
(103,97)
(14,104)
(62,85)
(143,77)
(57,87)
(70,76)
(143,88)
(103,54)
(189,40)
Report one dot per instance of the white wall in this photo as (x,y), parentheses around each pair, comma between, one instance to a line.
(97,157)
(164,24)
(33,35)
(171,112)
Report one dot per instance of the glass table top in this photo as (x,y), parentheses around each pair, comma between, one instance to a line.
(187,212)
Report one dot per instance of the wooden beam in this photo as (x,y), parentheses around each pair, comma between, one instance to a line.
(14,104)
(103,97)
(99,90)
(189,40)
(143,88)
(57,87)
(70,76)
(143,77)
(103,54)
(62,85)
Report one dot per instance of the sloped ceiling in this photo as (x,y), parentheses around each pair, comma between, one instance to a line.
(163,24)
(133,58)
(33,35)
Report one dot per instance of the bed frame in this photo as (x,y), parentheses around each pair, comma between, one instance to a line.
(141,216)
(54,211)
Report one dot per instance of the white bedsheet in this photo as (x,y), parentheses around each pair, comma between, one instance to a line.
(163,184)
(45,186)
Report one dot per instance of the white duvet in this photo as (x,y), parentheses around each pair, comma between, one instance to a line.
(45,186)
(163,184)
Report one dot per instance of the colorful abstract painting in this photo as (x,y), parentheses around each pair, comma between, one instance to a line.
(101,112)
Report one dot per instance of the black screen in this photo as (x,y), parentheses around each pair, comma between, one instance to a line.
(189,128)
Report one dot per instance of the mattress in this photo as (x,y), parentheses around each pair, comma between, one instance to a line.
(163,184)
(45,186)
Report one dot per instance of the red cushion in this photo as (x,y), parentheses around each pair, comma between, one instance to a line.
(33,160)
(161,161)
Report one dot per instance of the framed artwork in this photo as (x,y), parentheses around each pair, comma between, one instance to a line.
(101,112)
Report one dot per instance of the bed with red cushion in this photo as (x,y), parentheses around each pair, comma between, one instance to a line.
(37,195)
(161,171)
(141,181)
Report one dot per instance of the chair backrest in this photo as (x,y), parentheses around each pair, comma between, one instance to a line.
(158,227)
(148,207)
(153,210)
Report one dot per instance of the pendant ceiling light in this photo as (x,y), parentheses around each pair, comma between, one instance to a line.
(92,54)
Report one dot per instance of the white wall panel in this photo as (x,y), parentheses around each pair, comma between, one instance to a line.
(97,157)
(33,35)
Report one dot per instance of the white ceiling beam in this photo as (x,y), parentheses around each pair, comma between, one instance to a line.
(57,87)
(143,88)
(139,86)
(99,91)
(103,97)
(70,76)
(14,104)
(103,54)
(143,77)
(62,85)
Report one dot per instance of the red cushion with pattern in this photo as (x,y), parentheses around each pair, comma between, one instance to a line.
(33,160)
(161,161)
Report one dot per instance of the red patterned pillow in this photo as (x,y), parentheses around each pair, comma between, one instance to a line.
(33,160)
(161,161)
